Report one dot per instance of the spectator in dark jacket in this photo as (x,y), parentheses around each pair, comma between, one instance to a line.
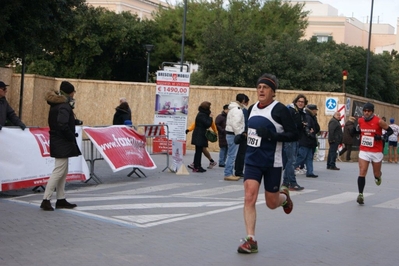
(7,114)
(290,149)
(203,121)
(334,139)
(63,143)
(220,122)
(122,113)
(348,139)
(308,141)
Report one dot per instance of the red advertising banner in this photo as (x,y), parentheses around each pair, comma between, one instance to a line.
(160,145)
(121,146)
(25,159)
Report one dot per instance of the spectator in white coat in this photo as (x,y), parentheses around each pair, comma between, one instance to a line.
(235,124)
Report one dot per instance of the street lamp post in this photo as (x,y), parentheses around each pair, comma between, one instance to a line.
(183,36)
(148,48)
(368,50)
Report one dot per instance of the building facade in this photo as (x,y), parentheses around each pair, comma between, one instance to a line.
(143,8)
(325,24)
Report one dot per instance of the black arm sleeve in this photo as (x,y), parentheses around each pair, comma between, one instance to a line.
(389,131)
(282,115)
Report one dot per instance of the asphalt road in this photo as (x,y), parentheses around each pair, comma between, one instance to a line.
(196,219)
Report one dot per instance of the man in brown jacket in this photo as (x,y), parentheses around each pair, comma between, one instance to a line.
(347,139)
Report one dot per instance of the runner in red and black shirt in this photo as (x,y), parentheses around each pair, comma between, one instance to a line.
(370,129)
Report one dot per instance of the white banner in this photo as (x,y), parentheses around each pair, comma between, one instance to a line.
(25,159)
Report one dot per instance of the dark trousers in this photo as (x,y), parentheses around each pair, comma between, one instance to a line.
(239,163)
(332,155)
(197,156)
(348,149)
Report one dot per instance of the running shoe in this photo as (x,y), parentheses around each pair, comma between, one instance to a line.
(288,205)
(191,166)
(378,180)
(211,165)
(360,199)
(248,246)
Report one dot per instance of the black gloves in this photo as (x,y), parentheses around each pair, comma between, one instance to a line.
(385,137)
(238,139)
(377,137)
(355,130)
(266,133)
(187,131)
(78,122)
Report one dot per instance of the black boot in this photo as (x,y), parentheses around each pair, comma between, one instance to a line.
(46,205)
(63,204)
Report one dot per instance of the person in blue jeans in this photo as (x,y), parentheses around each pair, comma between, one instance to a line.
(290,149)
(308,141)
(235,125)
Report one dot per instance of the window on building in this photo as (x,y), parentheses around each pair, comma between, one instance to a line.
(322,38)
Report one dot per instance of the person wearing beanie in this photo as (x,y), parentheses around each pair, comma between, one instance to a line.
(269,125)
(348,138)
(308,141)
(7,114)
(393,142)
(63,143)
(370,129)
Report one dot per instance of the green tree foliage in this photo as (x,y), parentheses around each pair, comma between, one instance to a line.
(29,26)
(169,27)
(233,42)
(103,45)
(238,44)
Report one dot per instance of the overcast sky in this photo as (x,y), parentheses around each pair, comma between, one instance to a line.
(387,11)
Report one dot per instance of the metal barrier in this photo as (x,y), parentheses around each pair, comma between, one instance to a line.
(322,140)
(157,140)
(91,154)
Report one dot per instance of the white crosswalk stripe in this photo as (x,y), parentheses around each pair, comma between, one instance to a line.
(156,205)
(391,204)
(153,189)
(212,191)
(152,204)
